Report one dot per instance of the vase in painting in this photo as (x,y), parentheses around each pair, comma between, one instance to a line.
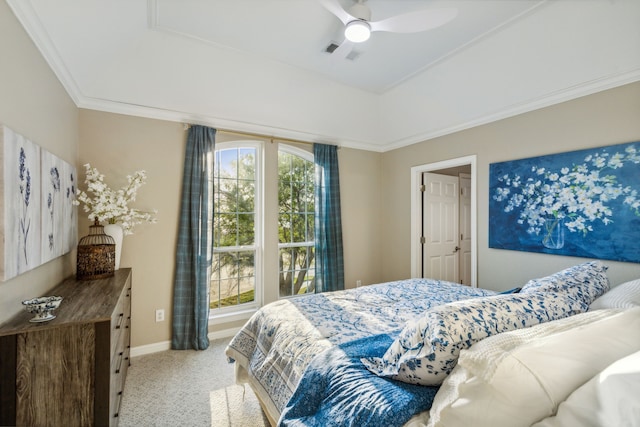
(553,237)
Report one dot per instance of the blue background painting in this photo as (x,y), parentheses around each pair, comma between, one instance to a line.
(595,193)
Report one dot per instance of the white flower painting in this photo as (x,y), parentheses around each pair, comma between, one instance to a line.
(583,203)
(33,205)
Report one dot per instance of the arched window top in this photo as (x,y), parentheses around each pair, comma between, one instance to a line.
(296,151)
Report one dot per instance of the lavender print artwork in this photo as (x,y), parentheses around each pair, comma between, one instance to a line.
(52,204)
(38,221)
(69,212)
(21,210)
(583,203)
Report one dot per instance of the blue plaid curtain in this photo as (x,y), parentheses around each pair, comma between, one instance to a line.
(328,221)
(193,253)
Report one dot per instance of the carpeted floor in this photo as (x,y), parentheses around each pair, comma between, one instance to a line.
(187,388)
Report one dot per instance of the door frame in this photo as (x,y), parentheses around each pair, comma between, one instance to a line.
(416,211)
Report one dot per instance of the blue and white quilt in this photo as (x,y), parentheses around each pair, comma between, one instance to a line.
(290,343)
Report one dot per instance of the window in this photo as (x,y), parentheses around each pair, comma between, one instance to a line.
(237,268)
(296,172)
(235,227)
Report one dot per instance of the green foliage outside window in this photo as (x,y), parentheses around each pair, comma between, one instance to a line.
(233,268)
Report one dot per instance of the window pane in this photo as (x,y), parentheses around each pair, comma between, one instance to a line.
(284,228)
(311,228)
(246,163)
(297,271)
(298,169)
(298,228)
(228,195)
(225,230)
(233,279)
(284,196)
(226,164)
(295,223)
(246,196)
(246,235)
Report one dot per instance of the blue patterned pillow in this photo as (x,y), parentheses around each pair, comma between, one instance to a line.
(585,282)
(427,349)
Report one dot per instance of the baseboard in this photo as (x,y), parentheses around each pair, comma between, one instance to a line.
(166,345)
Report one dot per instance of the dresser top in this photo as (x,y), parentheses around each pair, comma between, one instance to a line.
(84,301)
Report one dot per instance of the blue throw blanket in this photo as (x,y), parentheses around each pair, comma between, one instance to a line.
(337,390)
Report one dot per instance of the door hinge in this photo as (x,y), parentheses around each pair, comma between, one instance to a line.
(422,240)
(423,188)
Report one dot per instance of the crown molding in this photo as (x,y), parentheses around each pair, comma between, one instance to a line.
(131,109)
(553,98)
(28,17)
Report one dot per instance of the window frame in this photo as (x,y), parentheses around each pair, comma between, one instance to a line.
(308,156)
(241,311)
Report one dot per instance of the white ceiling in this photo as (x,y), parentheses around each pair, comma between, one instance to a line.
(297,32)
(261,65)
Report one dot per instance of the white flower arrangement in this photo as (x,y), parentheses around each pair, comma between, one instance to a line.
(112,206)
(577,196)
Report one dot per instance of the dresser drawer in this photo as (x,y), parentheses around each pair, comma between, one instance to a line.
(120,320)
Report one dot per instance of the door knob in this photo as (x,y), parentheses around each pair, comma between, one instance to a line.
(456,249)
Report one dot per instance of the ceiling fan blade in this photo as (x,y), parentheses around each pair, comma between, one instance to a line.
(343,50)
(336,8)
(414,22)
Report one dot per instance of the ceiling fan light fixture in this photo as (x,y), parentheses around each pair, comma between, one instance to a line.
(357,31)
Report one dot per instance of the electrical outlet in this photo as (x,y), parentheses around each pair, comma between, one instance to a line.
(160,315)
(358,283)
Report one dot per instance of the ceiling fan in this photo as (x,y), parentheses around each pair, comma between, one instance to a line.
(359,26)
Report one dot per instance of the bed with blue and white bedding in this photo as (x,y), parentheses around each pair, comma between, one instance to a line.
(376,355)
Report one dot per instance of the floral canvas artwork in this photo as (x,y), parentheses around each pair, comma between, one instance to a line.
(33,223)
(58,215)
(582,203)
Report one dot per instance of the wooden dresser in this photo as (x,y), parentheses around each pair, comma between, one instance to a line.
(71,370)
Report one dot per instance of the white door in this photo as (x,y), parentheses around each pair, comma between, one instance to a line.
(440,227)
(465,230)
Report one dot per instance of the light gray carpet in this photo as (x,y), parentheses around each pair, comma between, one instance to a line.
(187,388)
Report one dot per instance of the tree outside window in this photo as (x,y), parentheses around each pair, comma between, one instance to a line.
(236,219)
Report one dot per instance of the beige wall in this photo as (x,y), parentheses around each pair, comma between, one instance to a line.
(33,103)
(118,145)
(606,118)
(375,187)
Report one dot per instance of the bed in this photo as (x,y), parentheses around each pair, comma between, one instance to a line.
(404,353)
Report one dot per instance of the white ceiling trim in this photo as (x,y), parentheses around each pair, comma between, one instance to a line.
(35,29)
(567,94)
(564,95)
(149,112)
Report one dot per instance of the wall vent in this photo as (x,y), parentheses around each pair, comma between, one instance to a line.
(331,48)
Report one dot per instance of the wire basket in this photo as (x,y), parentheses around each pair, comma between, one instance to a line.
(96,254)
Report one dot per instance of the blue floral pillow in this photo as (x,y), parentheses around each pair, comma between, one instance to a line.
(585,281)
(427,349)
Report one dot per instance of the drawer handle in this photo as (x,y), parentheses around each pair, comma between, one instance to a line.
(120,319)
(119,362)
(117,411)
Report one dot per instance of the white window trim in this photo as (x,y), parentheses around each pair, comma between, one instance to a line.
(244,311)
(308,156)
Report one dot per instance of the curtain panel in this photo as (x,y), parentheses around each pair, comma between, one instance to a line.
(193,252)
(328,221)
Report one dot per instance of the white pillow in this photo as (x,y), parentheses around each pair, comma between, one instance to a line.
(520,377)
(626,295)
(609,399)
(427,349)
